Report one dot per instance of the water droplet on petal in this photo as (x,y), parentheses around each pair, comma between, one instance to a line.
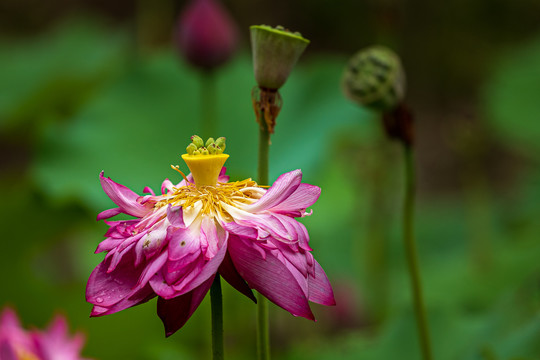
(99,300)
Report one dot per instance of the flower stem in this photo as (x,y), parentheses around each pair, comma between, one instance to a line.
(208,105)
(263,336)
(217,319)
(412,257)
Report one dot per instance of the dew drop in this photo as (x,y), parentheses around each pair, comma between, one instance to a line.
(99,300)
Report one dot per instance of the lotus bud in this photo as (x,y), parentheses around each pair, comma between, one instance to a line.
(197,141)
(374,78)
(275,52)
(206,35)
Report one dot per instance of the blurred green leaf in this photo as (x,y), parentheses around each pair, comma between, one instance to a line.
(139,125)
(511,96)
(52,75)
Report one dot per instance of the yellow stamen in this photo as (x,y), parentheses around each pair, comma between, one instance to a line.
(213,197)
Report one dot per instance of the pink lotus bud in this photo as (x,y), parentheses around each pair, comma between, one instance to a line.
(206,35)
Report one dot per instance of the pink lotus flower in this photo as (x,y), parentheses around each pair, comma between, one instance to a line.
(52,344)
(181,239)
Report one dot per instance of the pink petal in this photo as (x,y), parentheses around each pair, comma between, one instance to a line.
(229,273)
(139,297)
(240,230)
(176,312)
(7,351)
(222,177)
(166,186)
(182,242)
(108,288)
(319,288)
(270,277)
(108,213)
(123,197)
(304,196)
(208,270)
(283,187)
(175,215)
(148,190)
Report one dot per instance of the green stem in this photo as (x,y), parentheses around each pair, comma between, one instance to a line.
(208,105)
(412,257)
(263,336)
(217,319)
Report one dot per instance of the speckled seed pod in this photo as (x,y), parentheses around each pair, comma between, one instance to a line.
(374,78)
(275,52)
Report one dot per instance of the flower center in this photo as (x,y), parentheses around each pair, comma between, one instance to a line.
(212,198)
(205,168)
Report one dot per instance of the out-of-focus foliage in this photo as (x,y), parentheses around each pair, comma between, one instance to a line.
(511,97)
(79,100)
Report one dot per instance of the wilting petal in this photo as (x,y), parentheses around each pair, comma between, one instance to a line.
(139,297)
(229,273)
(166,186)
(207,271)
(123,197)
(176,311)
(304,196)
(182,243)
(246,232)
(108,213)
(283,187)
(319,288)
(106,289)
(270,277)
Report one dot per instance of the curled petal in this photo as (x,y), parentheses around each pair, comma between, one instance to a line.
(283,187)
(303,197)
(166,186)
(270,277)
(123,197)
(108,213)
(148,190)
(176,312)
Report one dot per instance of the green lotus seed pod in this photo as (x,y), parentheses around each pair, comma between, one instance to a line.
(191,148)
(275,52)
(374,78)
(197,141)
(220,142)
(208,142)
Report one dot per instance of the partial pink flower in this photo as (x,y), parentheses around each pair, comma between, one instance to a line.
(51,344)
(206,34)
(247,234)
